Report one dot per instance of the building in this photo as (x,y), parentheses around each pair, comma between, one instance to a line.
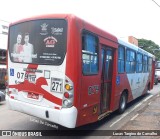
(133,40)
(130,39)
(4,26)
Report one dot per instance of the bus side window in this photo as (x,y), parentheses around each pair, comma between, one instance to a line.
(89,54)
(145,63)
(121,59)
(130,61)
(139,63)
(149,64)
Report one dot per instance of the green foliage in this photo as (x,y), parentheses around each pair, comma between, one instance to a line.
(149,46)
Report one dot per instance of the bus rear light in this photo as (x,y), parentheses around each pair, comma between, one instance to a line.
(66,81)
(12,97)
(66,95)
(67,103)
(68,87)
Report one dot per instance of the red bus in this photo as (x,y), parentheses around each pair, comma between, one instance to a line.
(67,71)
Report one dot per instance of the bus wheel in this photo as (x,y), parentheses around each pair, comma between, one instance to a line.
(122,103)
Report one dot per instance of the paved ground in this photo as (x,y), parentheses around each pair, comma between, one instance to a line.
(144,116)
(146,119)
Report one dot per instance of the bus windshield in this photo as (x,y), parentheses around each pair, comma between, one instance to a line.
(38,42)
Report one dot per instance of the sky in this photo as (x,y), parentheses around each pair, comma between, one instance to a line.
(122,18)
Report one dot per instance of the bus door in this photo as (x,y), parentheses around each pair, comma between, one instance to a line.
(106,78)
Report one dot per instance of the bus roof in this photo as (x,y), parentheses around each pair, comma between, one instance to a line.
(47,16)
(96,30)
(134,47)
(85,24)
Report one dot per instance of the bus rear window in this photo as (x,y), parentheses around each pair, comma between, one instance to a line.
(38,42)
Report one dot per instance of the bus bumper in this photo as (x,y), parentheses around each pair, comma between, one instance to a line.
(66,116)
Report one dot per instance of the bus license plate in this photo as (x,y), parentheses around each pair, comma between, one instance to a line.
(33,96)
(56,85)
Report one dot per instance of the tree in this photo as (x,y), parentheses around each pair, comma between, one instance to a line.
(150,47)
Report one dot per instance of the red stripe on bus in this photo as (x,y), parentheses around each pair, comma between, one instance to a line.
(36,88)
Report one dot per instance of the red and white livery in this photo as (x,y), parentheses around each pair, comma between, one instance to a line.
(76,73)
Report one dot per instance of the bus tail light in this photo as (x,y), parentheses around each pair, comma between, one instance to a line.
(68,87)
(67,103)
(68,95)
(12,97)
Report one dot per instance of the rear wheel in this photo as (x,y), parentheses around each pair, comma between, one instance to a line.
(122,103)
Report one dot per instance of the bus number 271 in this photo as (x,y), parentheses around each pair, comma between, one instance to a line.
(56,85)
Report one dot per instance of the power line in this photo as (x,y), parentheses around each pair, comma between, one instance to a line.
(156,3)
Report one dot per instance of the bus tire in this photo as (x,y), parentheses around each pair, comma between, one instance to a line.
(122,103)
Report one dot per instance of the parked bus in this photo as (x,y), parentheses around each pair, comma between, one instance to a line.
(67,71)
(3,69)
